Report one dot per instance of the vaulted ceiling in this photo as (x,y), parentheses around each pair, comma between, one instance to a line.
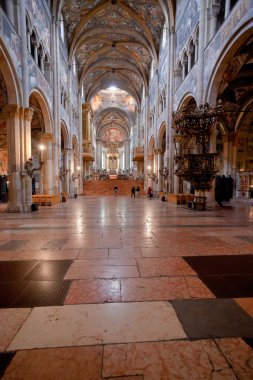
(115,41)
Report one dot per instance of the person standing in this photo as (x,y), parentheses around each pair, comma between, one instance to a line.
(137,190)
(133,192)
(150,192)
(115,190)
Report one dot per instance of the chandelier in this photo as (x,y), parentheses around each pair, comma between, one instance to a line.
(194,124)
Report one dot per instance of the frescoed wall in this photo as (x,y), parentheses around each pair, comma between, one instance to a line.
(187,19)
(240,15)
(12,41)
(41,21)
(37,80)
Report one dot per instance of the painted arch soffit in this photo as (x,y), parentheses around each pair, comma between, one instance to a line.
(114,101)
(113,127)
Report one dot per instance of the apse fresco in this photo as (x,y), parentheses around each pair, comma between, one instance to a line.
(112,135)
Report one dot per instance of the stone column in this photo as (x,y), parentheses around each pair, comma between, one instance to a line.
(200,73)
(214,11)
(26,154)
(227,8)
(160,169)
(47,159)
(127,154)
(56,146)
(25,68)
(10,10)
(169,130)
(14,115)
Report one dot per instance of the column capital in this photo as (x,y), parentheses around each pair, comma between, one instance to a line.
(157,151)
(28,114)
(86,107)
(12,111)
(45,137)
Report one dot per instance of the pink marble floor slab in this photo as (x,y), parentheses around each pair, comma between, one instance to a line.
(239,355)
(181,360)
(78,325)
(163,288)
(75,363)
(171,266)
(47,254)
(93,253)
(10,322)
(83,269)
(124,253)
(93,291)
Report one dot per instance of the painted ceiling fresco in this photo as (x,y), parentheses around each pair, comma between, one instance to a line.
(119,37)
(113,99)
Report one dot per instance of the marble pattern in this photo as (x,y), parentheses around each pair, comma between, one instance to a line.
(10,322)
(117,321)
(96,324)
(82,269)
(93,291)
(164,267)
(200,360)
(56,363)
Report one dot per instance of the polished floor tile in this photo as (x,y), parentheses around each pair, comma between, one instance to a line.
(93,291)
(164,267)
(199,360)
(77,363)
(132,306)
(216,318)
(10,322)
(97,324)
(83,269)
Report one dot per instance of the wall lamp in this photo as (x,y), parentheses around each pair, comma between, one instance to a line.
(29,165)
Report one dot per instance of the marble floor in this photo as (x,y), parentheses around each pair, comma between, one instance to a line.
(126,288)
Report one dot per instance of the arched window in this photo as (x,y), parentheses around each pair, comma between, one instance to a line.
(47,68)
(192,54)
(40,58)
(185,65)
(33,45)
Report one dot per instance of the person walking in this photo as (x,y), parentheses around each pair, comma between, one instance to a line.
(150,192)
(133,192)
(115,190)
(137,190)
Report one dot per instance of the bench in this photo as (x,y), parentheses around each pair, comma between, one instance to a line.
(46,199)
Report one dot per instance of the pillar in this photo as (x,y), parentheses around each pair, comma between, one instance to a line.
(47,159)
(10,10)
(213,19)
(169,130)
(160,169)
(18,127)
(26,146)
(227,8)
(200,74)
(23,35)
